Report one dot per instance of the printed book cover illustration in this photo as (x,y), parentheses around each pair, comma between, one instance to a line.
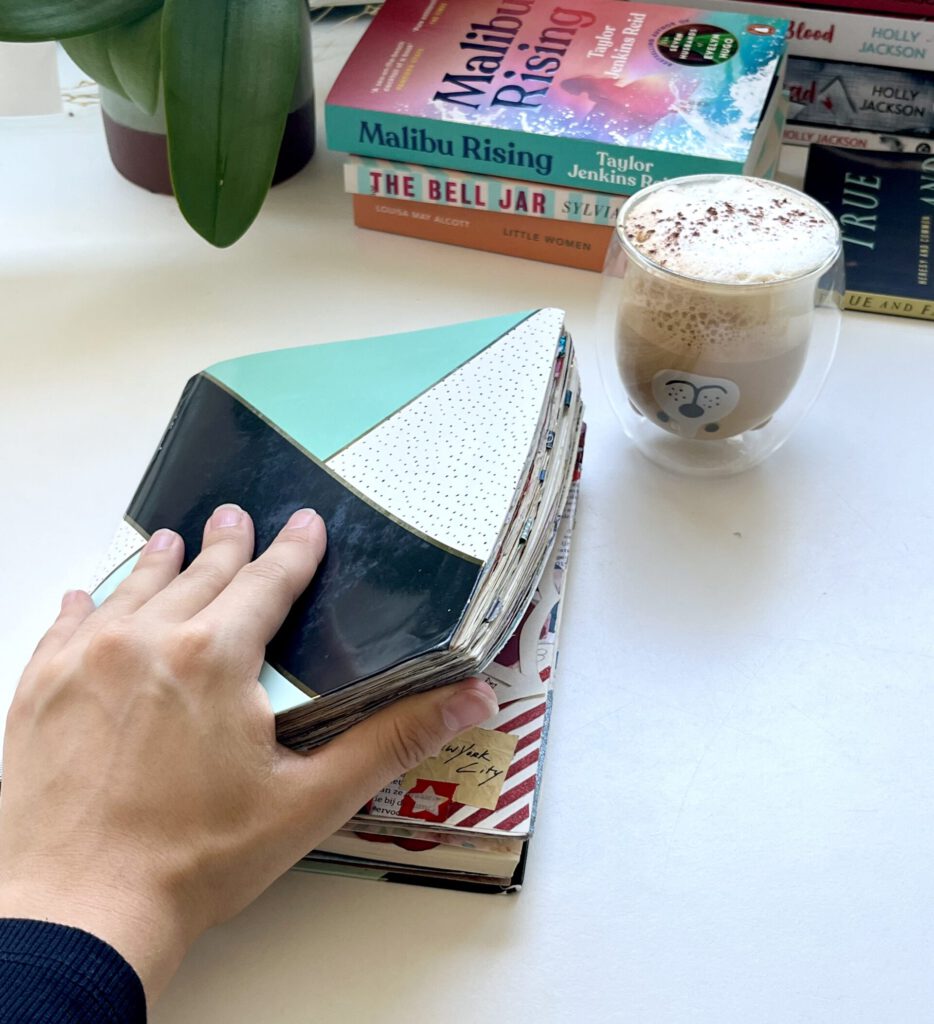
(606,96)
(845,34)
(885,205)
(440,460)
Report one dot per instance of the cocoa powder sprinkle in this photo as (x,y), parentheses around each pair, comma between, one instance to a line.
(673,232)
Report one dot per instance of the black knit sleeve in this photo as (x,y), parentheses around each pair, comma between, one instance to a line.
(53,974)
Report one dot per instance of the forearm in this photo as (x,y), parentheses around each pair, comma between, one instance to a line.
(142,930)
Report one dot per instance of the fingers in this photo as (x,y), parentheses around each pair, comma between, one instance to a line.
(156,567)
(76,607)
(380,749)
(227,547)
(259,597)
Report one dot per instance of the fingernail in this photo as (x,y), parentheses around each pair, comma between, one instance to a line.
(226,515)
(468,706)
(300,519)
(161,540)
(69,596)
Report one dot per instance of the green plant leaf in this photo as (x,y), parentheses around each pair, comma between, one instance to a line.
(229,69)
(92,54)
(34,20)
(136,57)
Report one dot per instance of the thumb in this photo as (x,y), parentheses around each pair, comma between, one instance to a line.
(370,755)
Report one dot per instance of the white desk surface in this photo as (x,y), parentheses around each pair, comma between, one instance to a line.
(737,818)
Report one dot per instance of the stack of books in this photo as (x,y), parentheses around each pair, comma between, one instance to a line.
(518,129)
(860,72)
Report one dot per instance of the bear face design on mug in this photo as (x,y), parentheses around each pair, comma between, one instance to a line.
(689,403)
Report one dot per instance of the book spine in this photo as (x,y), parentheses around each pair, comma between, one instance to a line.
(564,243)
(459,190)
(846,138)
(767,147)
(846,35)
(897,8)
(893,305)
(570,163)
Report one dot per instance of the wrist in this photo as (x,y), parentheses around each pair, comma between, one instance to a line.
(141,927)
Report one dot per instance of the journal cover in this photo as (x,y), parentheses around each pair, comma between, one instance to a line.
(605,96)
(413,448)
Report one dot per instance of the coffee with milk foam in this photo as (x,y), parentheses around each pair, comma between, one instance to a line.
(718,300)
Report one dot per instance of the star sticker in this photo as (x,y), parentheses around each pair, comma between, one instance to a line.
(428,800)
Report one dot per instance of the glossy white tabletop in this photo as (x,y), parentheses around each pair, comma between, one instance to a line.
(737,817)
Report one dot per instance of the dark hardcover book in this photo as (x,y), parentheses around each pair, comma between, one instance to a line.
(884,203)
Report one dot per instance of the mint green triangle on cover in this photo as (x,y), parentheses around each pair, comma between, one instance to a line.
(325,396)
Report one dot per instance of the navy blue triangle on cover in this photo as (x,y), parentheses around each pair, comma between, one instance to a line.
(363,612)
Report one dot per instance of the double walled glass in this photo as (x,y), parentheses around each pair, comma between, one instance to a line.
(710,374)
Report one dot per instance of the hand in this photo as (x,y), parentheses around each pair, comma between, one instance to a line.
(145,797)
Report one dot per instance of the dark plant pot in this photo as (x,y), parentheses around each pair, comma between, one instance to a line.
(139,151)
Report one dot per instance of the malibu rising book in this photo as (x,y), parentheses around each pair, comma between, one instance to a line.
(606,96)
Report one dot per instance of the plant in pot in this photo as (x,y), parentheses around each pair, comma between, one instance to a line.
(210,99)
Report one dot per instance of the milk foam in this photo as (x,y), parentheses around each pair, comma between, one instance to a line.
(730,230)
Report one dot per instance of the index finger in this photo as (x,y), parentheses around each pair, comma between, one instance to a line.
(254,604)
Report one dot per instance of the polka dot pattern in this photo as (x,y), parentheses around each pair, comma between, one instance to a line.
(448,463)
(126,541)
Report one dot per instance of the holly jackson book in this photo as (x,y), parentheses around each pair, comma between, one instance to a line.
(562,242)
(464,818)
(900,8)
(884,203)
(893,103)
(851,138)
(440,459)
(605,96)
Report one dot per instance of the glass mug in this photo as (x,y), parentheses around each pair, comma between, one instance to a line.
(725,295)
